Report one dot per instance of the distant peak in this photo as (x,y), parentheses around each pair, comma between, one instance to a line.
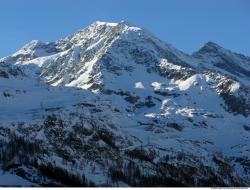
(208,47)
(212,44)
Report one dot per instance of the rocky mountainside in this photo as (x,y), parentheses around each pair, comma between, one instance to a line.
(112,105)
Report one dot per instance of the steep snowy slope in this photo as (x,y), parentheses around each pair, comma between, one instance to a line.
(113,105)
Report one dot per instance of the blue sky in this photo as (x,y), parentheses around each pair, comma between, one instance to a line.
(187,24)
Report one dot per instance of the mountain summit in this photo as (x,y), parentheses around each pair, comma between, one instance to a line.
(112,105)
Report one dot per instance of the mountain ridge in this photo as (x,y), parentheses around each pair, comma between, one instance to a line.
(113,101)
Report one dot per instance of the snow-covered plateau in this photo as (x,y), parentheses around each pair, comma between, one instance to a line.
(112,105)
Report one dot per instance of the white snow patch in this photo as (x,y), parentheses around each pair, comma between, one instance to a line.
(139,85)
(156,85)
(235,87)
(191,81)
(99,23)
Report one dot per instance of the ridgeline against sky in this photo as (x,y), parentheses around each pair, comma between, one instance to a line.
(185,24)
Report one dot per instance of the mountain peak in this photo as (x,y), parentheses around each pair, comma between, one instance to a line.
(32,45)
(117,90)
(208,47)
(122,22)
(217,56)
(121,26)
(101,23)
(212,44)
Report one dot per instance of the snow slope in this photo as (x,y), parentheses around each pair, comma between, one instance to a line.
(113,96)
(10,179)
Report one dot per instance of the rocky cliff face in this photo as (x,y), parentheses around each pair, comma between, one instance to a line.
(112,105)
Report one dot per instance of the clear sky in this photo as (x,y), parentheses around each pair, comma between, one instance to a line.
(186,24)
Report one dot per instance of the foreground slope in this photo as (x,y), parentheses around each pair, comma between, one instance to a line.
(112,105)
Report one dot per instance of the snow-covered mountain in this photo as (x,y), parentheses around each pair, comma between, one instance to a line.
(112,105)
